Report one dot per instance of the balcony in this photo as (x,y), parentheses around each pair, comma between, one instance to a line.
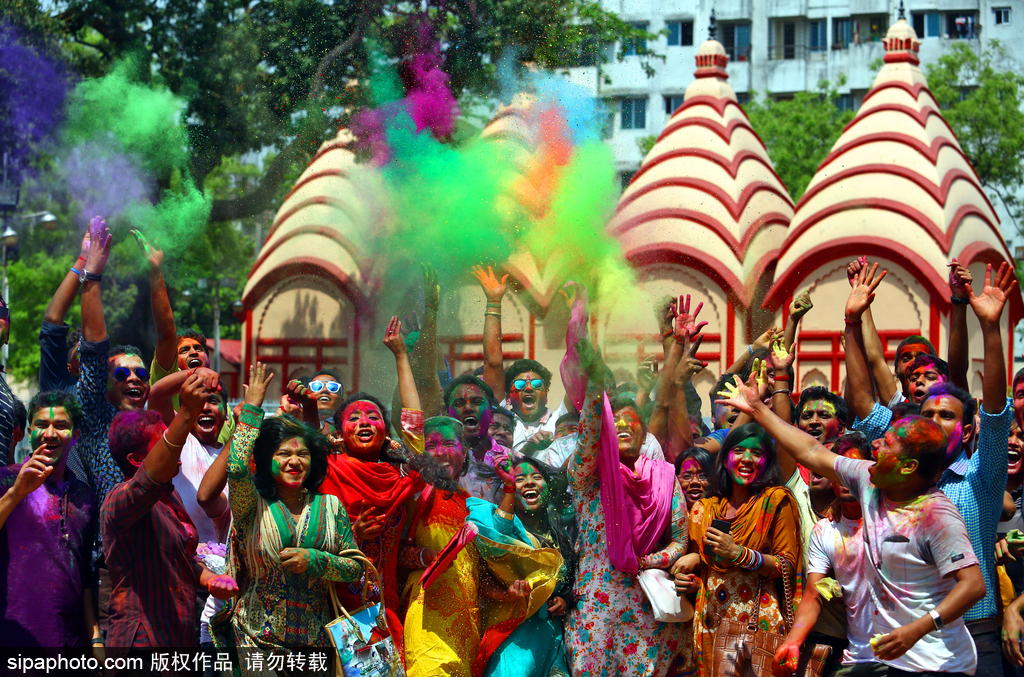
(793,52)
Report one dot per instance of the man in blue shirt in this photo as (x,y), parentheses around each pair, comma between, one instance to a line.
(973,482)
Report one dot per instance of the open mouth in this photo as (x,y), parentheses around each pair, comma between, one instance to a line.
(207,423)
(746,472)
(626,436)
(1014,458)
(470,422)
(193,363)
(694,494)
(324,399)
(528,399)
(815,430)
(530,495)
(919,395)
(365,435)
(133,393)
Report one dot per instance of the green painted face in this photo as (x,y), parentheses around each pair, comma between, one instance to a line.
(531,489)
(746,462)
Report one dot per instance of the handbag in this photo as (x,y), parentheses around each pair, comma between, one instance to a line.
(668,607)
(363,644)
(223,633)
(745,650)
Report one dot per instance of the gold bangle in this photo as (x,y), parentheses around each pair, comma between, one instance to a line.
(504,515)
(172,444)
(494,314)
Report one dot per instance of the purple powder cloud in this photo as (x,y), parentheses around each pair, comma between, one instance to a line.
(105,182)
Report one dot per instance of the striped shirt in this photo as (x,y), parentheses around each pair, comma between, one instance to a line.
(97,413)
(6,420)
(149,543)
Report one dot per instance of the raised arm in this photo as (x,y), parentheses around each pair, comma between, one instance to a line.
(210,495)
(424,358)
(782,364)
(163,317)
(798,444)
(94,326)
(162,393)
(882,378)
(241,490)
(494,363)
(406,382)
(859,392)
(65,295)
(583,462)
(958,355)
(801,306)
(161,463)
(680,436)
(988,307)
(53,349)
(762,341)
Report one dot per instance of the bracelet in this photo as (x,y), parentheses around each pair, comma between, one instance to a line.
(959,301)
(422,563)
(852,323)
(750,349)
(494,304)
(509,489)
(493,314)
(782,390)
(668,332)
(97,640)
(781,377)
(172,444)
(76,271)
(504,515)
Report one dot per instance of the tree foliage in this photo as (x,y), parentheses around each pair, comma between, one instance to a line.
(799,132)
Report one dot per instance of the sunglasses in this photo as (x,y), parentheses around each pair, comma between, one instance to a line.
(520,383)
(122,374)
(5,313)
(317,386)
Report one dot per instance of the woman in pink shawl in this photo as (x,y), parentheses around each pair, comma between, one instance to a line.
(612,630)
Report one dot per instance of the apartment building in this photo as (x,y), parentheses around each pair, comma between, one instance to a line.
(777,48)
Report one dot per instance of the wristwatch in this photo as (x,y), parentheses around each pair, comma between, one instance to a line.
(936,619)
(85,275)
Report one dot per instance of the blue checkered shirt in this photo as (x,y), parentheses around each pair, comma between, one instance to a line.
(875,424)
(976,485)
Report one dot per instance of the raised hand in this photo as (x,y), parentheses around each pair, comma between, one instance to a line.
(769,336)
(393,337)
(781,359)
(431,289)
(259,378)
(297,391)
(493,289)
(152,254)
(686,323)
(503,468)
(759,372)
(32,474)
(742,396)
(100,240)
(193,394)
(854,267)
(689,366)
(569,293)
(863,292)
(989,305)
(960,280)
(800,306)
(647,373)
(369,524)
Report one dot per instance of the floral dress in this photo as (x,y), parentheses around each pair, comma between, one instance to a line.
(278,609)
(612,630)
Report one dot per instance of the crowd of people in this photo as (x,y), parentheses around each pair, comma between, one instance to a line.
(876,530)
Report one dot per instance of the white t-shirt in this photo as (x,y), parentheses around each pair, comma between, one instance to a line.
(196,459)
(561,449)
(910,550)
(524,431)
(838,549)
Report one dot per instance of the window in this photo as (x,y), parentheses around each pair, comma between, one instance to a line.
(927,25)
(736,39)
(788,40)
(625,178)
(742,98)
(673,102)
(637,44)
(877,26)
(844,102)
(818,37)
(586,53)
(1002,16)
(634,113)
(960,25)
(680,33)
(840,33)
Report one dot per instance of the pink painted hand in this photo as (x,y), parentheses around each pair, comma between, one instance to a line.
(518,590)
(686,328)
(222,587)
(786,659)
(960,280)
(100,240)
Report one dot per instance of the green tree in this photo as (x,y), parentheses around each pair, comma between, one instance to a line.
(981,95)
(799,132)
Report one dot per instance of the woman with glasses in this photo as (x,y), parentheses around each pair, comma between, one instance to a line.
(693,470)
(328,391)
(737,571)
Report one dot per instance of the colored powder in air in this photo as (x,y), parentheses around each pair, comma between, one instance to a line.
(122,140)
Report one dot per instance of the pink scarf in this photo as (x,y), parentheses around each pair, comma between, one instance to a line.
(637,505)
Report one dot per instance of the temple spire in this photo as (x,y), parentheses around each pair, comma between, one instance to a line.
(902,14)
(712,28)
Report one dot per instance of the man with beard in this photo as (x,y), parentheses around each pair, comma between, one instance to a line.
(468,399)
(46,517)
(528,382)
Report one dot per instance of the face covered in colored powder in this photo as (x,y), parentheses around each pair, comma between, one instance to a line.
(746,462)
(530,401)
(921,379)
(566,428)
(724,416)
(948,412)
(468,404)
(443,443)
(362,430)
(908,354)
(818,419)
(630,432)
(1015,451)
(191,354)
(211,420)
(891,470)
(51,428)
(126,389)
(1018,402)
(531,489)
(290,465)
(693,481)
(501,429)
